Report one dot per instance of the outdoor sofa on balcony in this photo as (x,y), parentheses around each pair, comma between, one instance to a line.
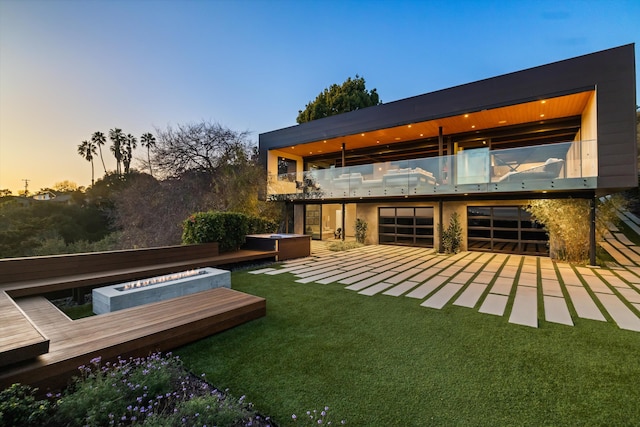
(550,169)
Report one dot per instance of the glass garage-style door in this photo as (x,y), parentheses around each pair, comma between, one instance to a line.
(507,229)
(411,226)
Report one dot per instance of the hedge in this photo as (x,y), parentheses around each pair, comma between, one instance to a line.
(227,228)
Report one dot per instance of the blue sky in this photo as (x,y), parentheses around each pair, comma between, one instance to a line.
(69,68)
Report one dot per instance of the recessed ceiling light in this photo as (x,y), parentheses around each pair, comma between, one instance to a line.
(325,141)
(397,139)
(541,115)
(421,134)
(466,115)
(310,152)
(377,142)
(473,126)
(501,122)
(409,126)
(543,102)
(362,134)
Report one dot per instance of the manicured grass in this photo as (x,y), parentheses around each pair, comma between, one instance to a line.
(386,361)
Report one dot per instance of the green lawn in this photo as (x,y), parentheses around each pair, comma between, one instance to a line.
(386,361)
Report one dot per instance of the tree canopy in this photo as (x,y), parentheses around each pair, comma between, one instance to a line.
(337,99)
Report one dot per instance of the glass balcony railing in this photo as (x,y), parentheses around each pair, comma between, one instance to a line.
(561,166)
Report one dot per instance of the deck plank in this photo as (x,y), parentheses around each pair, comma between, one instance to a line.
(20,339)
(134,331)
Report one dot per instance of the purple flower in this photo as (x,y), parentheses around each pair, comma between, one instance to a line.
(294,416)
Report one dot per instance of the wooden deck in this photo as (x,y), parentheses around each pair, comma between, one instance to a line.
(39,345)
(20,338)
(135,331)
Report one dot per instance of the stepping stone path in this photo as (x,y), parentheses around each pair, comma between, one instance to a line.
(512,286)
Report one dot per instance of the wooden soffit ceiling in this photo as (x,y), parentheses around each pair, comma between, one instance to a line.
(541,110)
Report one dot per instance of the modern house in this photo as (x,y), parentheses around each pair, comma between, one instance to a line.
(483,149)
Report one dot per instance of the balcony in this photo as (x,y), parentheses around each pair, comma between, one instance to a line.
(550,167)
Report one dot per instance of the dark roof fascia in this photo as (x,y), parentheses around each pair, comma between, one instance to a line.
(555,79)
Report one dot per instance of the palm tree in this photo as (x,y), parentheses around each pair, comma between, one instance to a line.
(87,150)
(99,140)
(118,139)
(149,141)
(130,144)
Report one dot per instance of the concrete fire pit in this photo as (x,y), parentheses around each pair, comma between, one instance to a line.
(159,288)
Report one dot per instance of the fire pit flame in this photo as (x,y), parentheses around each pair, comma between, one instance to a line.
(160,279)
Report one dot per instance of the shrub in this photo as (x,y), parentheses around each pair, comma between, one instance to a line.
(342,245)
(260,225)
(18,407)
(229,229)
(452,236)
(361,230)
(567,222)
(102,395)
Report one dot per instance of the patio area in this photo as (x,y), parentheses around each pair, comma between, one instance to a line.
(527,290)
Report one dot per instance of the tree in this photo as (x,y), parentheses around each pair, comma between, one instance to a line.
(130,144)
(203,147)
(351,95)
(65,186)
(87,149)
(217,160)
(99,140)
(5,192)
(567,223)
(452,236)
(149,141)
(118,139)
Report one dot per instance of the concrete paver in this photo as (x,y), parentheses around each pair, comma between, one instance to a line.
(551,288)
(556,311)
(583,304)
(528,279)
(427,287)
(494,304)
(469,298)
(341,276)
(400,289)
(620,313)
(525,307)
(502,285)
(357,278)
(372,290)
(440,298)
(487,280)
(356,286)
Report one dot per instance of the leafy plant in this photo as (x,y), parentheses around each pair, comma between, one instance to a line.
(567,222)
(361,230)
(452,236)
(227,228)
(106,393)
(19,407)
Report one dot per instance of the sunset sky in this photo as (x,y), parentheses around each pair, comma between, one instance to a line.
(70,68)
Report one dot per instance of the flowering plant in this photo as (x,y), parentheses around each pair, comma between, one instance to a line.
(315,418)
